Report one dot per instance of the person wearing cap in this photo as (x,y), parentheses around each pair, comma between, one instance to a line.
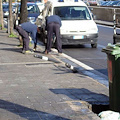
(53,24)
(26,29)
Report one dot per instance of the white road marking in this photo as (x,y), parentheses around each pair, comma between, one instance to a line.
(78,62)
(91,72)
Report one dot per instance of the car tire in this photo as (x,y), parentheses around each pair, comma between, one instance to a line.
(94,45)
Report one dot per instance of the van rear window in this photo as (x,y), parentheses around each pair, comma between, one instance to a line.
(72,12)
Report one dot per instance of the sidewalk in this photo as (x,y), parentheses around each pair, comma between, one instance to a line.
(35,89)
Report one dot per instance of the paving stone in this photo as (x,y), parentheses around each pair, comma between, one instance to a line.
(34,89)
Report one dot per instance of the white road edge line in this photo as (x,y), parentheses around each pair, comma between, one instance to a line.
(76,61)
(80,63)
(98,77)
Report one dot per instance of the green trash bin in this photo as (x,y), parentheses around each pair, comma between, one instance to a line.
(113,63)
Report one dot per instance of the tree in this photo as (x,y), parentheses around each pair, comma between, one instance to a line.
(23,11)
(10,19)
(1,15)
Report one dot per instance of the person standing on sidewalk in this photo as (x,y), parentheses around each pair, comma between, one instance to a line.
(53,24)
(24,30)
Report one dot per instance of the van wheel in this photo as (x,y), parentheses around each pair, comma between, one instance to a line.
(94,45)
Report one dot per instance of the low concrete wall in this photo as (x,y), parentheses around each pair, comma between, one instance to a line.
(105,13)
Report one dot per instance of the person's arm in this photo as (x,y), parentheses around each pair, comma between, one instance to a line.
(60,21)
(34,37)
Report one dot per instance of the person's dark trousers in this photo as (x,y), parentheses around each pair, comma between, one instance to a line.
(25,38)
(54,28)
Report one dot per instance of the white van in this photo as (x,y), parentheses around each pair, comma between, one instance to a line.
(78,26)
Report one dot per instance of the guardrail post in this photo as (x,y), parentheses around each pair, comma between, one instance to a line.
(114,20)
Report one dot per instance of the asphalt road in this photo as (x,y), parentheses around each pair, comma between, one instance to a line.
(93,57)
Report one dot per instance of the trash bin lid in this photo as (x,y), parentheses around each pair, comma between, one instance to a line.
(112,49)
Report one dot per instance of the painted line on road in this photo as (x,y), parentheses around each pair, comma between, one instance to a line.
(78,62)
(91,72)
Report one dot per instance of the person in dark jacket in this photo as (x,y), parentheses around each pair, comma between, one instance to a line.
(53,24)
(26,29)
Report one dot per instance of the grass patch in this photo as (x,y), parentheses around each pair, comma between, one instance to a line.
(12,35)
(3,28)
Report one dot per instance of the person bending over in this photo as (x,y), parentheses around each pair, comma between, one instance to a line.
(26,29)
(53,24)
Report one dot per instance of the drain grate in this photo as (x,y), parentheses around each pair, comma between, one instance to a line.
(99,107)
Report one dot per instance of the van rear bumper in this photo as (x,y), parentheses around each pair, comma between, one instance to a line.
(82,39)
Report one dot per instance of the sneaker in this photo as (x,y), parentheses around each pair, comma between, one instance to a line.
(19,45)
(28,52)
(49,53)
(34,49)
(45,52)
(23,51)
(60,53)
